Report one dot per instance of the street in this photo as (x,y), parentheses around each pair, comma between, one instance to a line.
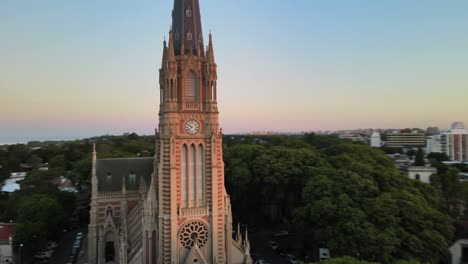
(63,251)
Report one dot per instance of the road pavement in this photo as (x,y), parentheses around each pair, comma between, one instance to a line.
(63,251)
(259,242)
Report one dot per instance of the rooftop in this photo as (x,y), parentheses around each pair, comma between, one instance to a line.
(6,230)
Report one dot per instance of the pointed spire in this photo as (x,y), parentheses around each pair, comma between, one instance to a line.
(164,55)
(170,53)
(94,179)
(143,187)
(246,240)
(210,56)
(124,186)
(238,234)
(94,152)
(182,48)
(186,18)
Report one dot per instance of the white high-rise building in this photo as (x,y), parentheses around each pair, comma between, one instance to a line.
(376,141)
(434,144)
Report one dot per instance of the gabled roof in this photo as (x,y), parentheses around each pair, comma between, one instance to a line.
(110,173)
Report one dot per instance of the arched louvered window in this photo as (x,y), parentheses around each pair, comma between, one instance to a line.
(191,87)
(183,184)
(200,180)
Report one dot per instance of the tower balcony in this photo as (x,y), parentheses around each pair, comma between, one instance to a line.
(191,212)
(192,106)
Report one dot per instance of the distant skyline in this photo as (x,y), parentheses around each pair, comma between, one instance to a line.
(87,68)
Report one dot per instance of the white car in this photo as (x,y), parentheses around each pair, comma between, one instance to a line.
(324,253)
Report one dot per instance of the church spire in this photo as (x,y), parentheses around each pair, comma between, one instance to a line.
(210,56)
(164,55)
(94,179)
(186,25)
(170,51)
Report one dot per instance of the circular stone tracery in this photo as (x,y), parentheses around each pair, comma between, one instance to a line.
(191,232)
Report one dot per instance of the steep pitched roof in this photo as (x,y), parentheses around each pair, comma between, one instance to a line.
(186,25)
(110,173)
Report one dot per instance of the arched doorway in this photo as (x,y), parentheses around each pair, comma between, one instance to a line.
(109,250)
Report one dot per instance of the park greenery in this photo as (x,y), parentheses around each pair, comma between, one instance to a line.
(346,196)
(332,193)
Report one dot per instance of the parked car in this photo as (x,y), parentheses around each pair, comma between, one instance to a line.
(281,233)
(44,254)
(273,245)
(41,260)
(292,259)
(324,253)
(51,245)
(283,253)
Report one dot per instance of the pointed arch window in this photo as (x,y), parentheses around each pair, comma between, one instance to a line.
(108,177)
(183,185)
(193,172)
(213,91)
(200,179)
(132,178)
(191,87)
(109,211)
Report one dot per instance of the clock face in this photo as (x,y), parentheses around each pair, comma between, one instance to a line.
(192,127)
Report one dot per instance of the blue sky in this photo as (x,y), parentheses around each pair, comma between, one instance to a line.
(82,68)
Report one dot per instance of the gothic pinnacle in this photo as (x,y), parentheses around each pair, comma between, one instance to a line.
(94,151)
(164,55)
(171,53)
(210,57)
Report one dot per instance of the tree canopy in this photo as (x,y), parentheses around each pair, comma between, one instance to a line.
(348,197)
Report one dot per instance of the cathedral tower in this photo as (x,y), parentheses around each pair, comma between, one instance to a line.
(192,214)
(172,208)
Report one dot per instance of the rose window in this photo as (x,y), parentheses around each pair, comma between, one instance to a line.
(191,232)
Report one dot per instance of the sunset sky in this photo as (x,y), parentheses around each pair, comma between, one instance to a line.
(85,68)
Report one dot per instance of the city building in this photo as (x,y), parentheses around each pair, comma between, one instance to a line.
(6,243)
(454,142)
(171,208)
(434,144)
(355,137)
(421,173)
(432,131)
(406,139)
(375,140)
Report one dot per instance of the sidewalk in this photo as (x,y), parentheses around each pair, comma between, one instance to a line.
(82,257)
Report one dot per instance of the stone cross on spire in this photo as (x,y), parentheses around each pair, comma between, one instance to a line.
(186,26)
